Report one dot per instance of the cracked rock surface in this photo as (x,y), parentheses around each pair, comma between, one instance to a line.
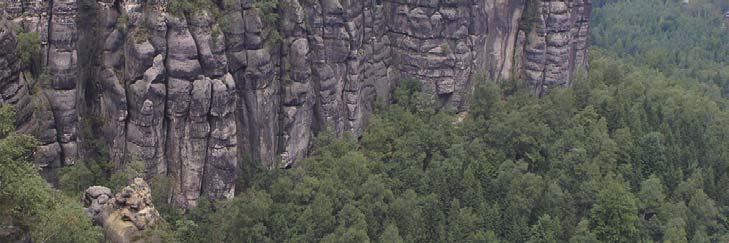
(191,94)
(124,216)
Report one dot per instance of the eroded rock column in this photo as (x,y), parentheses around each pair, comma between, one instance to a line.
(194,95)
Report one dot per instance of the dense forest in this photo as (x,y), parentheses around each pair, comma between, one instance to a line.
(636,152)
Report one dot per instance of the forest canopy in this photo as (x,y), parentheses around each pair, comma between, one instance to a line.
(638,151)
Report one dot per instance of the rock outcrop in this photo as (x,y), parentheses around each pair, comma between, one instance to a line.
(126,216)
(192,92)
(20,89)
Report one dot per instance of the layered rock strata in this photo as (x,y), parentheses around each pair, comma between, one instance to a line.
(192,92)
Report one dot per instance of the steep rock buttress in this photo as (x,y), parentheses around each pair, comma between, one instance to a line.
(192,93)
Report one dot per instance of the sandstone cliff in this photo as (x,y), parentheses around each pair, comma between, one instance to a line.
(192,92)
(126,217)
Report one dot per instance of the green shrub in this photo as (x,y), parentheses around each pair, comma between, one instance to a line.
(141,35)
(29,47)
(75,179)
(7,120)
(122,22)
(29,203)
(122,177)
(44,80)
(182,7)
(268,9)
(271,18)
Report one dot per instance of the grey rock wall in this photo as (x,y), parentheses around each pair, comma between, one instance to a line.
(192,94)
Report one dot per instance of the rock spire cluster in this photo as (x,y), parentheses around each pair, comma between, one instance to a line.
(193,92)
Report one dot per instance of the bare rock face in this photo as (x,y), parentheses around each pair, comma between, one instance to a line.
(96,200)
(195,94)
(33,109)
(125,216)
(555,48)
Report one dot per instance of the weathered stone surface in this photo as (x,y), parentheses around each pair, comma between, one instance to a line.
(95,200)
(33,109)
(62,66)
(124,216)
(556,46)
(193,96)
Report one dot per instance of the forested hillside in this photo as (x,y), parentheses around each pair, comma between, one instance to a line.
(686,42)
(638,151)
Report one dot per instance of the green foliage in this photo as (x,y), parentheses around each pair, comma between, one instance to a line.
(124,175)
(242,219)
(391,235)
(546,230)
(268,8)
(675,231)
(633,156)
(583,234)
(196,226)
(636,152)
(614,215)
(159,232)
(181,7)
(28,202)
(95,170)
(162,187)
(408,96)
(518,169)
(684,41)
(488,101)
(28,47)
(22,194)
(65,221)
(122,22)
(45,80)
(140,35)
(274,38)
(188,231)
(75,179)
(7,120)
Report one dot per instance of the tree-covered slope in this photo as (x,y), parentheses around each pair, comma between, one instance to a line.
(636,152)
(628,155)
(688,42)
(30,210)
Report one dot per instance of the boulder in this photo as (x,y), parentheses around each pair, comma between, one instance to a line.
(126,216)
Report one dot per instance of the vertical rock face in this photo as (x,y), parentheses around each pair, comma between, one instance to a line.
(191,94)
(61,63)
(555,47)
(34,112)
